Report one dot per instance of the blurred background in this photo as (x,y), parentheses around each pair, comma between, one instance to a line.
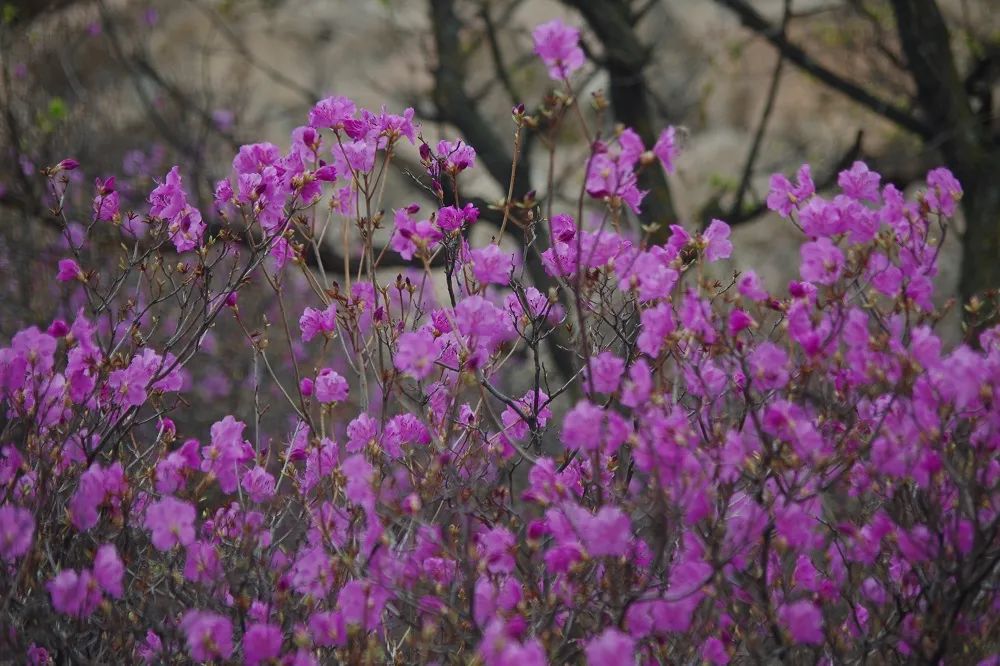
(131,87)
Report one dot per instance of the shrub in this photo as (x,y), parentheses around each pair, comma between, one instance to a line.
(726,474)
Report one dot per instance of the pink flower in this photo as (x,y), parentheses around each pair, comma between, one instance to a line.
(639,385)
(282,251)
(404,429)
(318,322)
(332,113)
(859,182)
(168,201)
(109,570)
(259,484)
(209,635)
(611,648)
(355,157)
(784,198)
(312,572)
(38,656)
(491,265)
(226,452)
(361,603)
(587,427)
(739,321)
(558,45)
(69,270)
(94,487)
(819,217)
(650,272)
(607,534)
(150,648)
(361,431)
(714,652)
(885,277)
(328,629)
(666,149)
(451,218)
(415,353)
(605,373)
(17,528)
(171,471)
(750,286)
(261,642)
(171,522)
(822,261)
(481,321)
(202,564)
(767,366)
(223,194)
(502,645)
(413,236)
(457,155)
(74,594)
(359,475)
(330,386)
(804,622)
(696,317)
(657,324)
(717,243)
(495,550)
(106,202)
(517,427)
(613,175)
(944,191)
(393,126)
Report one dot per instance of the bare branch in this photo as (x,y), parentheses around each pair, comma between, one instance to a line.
(753,20)
(772,94)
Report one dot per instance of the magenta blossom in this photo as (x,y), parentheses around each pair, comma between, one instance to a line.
(822,261)
(74,594)
(558,45)
(69,270)
(667,150)
(171,522)
(716,241)
(611,648)
(804,622)
(416,353)
(491,265)
(17,527)
(330,386)
(109,570)
(605,372)
(318,322)
(261,643)
(208,635)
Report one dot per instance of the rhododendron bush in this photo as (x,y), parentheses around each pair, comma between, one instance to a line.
(726,474)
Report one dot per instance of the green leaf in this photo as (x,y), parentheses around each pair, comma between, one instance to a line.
(58,109)
(9,13)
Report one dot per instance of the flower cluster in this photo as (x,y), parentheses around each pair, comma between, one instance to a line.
(649,458)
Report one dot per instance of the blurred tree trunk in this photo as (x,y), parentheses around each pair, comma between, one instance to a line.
(24,11)
(965,139)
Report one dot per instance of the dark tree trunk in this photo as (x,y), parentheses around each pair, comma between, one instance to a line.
(965,141)
(981,243)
